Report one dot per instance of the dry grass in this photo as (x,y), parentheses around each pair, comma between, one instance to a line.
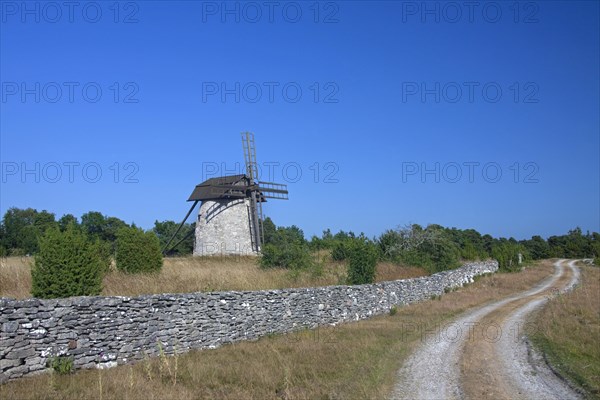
(568,331)
(350,361)
(15,277)
(193,274)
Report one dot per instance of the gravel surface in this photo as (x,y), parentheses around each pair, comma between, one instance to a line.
(433,371)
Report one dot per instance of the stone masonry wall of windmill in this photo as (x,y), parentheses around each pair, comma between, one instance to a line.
(223,228)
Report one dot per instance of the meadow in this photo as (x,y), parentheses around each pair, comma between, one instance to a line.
(202,274)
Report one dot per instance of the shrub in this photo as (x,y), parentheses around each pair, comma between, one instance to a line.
(362,260)
(285,248)
(340,251)
(137,251)
(67,264)
(507,255)
(286,255)
(393,310)
(61,365)
(443,253)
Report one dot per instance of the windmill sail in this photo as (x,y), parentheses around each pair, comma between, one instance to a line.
(255,200)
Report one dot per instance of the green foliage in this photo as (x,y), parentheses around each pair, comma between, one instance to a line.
(290,255)
(66,220)
(269,230)
(340,250)
(443,253)
(137,251)
(431,248)
(285,247)
(326,241)
(537,247)
(575,245)
(393,310)
(21,229)
(362,259)
(340,244)
(61,365)
(97,226)
(67,264)
(435,248)
(507,254)
(166,229)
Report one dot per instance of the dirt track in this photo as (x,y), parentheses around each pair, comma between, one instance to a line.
(484,353)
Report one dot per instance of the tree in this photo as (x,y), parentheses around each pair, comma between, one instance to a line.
(362,260)
(269,230)
(537,247)
(67,220)
(110,228)
(93,224)
(286,248)
(165,231)
(42,221)
(137,251)
(22,229)
(67,264)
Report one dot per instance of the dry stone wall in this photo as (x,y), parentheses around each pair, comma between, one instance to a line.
(101,332)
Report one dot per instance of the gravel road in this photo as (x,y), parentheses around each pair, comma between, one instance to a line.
(437,370)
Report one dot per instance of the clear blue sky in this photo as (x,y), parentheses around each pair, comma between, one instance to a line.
(388,89)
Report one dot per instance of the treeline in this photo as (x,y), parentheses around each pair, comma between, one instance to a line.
(22,229)
(433,247)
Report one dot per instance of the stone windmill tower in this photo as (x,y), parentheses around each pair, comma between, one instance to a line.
(231,216)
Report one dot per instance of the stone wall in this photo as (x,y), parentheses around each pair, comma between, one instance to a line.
(101,332)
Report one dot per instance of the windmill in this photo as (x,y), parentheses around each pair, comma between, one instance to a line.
(230,220)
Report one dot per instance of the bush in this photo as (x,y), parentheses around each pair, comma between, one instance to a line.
(507,254)
(285,247)
(443,253)
(67,264)
(137,251)
(61,365)
(286,255)
(362,260)
(430,248)
(340,251)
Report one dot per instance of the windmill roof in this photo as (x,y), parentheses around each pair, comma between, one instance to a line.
(221,187)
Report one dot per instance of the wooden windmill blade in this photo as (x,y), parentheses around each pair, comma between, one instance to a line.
(250,155)
(272,190)
(249,148)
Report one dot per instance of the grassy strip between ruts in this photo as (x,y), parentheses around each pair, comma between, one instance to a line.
(350,361)
(567,330)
